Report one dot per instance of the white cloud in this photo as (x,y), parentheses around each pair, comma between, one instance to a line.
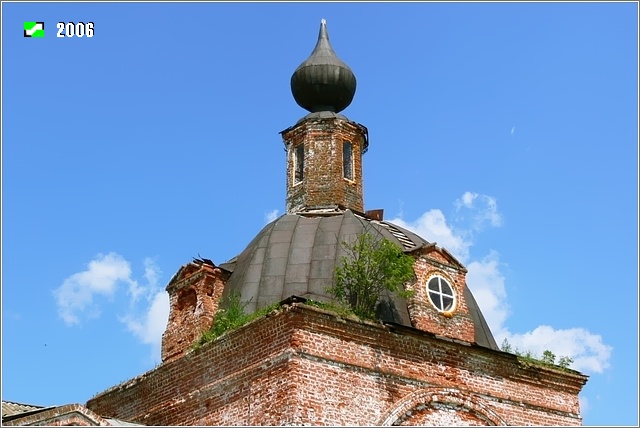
(149,326)
(135,291)
(467,199)
(486,281)
(270,216)
(151,276)
(151,272)
(102,276)
(478,210)
(106,276)
(589,353)
(487,285)
(433,226)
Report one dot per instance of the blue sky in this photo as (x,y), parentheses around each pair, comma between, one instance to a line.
(505,132)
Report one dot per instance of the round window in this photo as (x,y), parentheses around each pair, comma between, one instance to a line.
(441,294)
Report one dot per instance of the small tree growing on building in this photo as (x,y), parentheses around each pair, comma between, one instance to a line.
(548,357)
(371,265)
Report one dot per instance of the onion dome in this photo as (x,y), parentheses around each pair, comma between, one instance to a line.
(323,82)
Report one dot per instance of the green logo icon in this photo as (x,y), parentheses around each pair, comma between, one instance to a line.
(34,29)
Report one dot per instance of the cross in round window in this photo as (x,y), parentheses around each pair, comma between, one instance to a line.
(441,294)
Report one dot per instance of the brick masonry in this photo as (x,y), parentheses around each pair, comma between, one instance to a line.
(306,366)
(457,323)
(194,294)
(196,289)
(324,183)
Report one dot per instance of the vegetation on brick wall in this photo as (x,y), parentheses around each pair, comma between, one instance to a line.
(548,358)
(230,316)
(339,309)
(372,264)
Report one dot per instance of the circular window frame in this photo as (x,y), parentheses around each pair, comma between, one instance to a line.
(446,310)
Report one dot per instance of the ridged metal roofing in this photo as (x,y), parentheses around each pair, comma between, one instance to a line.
(10,408)
(296,255)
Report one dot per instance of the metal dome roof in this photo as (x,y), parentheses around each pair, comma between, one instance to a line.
(296,255)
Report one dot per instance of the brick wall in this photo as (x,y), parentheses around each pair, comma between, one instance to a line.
(194,294)
(324,183)
(303,365)
(457,323)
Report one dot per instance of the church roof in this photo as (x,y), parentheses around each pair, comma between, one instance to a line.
(9,408)
(296,255)
(19,414)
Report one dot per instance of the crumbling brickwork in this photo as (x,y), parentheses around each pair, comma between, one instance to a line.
(194,294)
(324,183)
(304,365)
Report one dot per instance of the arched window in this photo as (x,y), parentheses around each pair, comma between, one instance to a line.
(347,160)
(298,164)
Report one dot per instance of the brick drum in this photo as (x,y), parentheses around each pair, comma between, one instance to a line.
(324,183)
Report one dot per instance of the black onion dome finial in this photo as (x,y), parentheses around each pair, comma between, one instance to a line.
(323,82)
